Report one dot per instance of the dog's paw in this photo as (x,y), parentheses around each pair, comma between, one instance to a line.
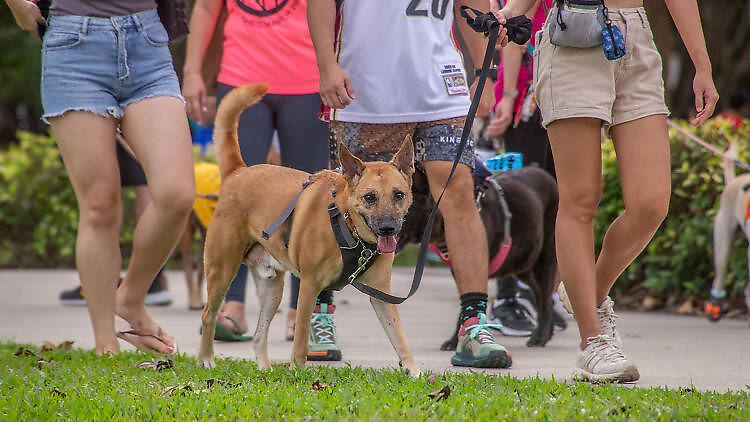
(206,363)
(450,344)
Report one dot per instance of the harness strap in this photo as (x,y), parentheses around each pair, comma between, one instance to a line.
(340,230)
(285,214)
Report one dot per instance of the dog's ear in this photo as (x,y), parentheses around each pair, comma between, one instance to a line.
(351,166)
(404,158)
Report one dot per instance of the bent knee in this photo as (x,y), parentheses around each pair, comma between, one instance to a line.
(178,199)
(101,210)
(649,210)
(581,206)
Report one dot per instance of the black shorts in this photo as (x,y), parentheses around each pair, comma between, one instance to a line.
(131,172)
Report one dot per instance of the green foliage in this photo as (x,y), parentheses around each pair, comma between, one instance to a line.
(680,257)
(38,209)
(77,385)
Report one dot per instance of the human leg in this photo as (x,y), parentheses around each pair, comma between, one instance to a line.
(303,140)
(255,130)
(642,148)
(87,145)
(169,171)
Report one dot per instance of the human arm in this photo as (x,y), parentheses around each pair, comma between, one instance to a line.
(687,20)
(335,85)
(27,15)
(512,56)
(202,25)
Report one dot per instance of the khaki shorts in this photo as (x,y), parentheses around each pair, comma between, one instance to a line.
(581,82)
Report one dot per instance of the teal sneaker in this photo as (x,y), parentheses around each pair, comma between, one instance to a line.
(322,343)
(477,347)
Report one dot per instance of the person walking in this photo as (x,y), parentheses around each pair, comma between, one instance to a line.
(107,64)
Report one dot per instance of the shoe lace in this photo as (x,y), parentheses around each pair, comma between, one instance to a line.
(604,347)
(324,328)
(607,317)
(480,331)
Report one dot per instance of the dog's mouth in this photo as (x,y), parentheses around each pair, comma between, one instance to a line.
(387,244)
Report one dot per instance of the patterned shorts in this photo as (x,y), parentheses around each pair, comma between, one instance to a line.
(437,140)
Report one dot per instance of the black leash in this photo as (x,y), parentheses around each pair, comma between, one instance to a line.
(519,31)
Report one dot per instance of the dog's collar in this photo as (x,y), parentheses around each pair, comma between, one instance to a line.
(357,256)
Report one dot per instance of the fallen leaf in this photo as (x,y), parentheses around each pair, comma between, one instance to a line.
(48,346)
(57,392)
(22,351)
(211,381)
(431,379)
(66,345)
(41,363)
(184,388)
(318,386)
(440,394)
(159,364)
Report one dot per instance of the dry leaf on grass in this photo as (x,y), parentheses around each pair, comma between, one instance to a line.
(22,351)
(57,392)
(183,388)
(431,379)
(318,386)
(159,364)
(211,381)
(40,363)
(440,394)
(48,346)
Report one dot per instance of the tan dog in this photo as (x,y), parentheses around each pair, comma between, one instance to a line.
(376,196)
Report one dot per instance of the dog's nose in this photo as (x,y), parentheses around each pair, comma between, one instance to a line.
(386,230)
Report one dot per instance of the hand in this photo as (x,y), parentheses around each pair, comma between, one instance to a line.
(194,92)
(487,100)
(501,16)
(27,16)
(335,87)
(705,96)
(503,117)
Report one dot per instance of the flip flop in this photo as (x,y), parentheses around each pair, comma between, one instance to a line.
(223,333)
(126,332)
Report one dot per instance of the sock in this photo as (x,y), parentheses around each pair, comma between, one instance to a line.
(472,304)
(326,296)
(719,294)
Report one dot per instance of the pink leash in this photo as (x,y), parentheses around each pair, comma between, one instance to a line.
(495,263)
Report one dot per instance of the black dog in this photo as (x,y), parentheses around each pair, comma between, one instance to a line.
(531,197)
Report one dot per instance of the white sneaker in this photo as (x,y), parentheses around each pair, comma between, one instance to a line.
(608,319)
(603,361)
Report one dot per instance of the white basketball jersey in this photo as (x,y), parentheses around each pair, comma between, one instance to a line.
(402,60)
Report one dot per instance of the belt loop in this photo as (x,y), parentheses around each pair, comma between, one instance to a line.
(85,25)
(138,22)
(642,14)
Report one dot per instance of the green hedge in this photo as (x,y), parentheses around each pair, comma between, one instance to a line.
(39,217)
(680,257)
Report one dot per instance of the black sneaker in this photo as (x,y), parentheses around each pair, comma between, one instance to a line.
(158,295)
(526,300)
(72,297)
(512,318)
(558,322)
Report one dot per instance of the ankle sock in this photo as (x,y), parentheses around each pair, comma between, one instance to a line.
(472,304)
(326,296)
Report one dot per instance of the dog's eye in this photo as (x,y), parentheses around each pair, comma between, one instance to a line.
(370,198)
(398,195)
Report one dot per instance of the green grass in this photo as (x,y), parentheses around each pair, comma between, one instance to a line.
(77,385)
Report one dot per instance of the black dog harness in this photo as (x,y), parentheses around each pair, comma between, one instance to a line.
(357,256)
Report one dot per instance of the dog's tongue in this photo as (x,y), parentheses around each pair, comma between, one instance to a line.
(387,244)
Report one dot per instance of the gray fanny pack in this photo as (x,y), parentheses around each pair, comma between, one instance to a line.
(577,23)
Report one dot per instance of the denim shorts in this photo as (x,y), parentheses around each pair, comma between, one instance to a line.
(101,65)
(436,140)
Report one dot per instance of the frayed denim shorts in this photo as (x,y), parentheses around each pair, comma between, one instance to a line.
(102,65)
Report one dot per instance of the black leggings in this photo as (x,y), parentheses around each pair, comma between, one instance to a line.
(303,140)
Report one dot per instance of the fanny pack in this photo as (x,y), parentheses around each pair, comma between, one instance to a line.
(585,24)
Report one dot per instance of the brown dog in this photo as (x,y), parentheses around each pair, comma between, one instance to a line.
(374,195)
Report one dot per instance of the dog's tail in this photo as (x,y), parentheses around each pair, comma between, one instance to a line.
(225,128)
(729,160)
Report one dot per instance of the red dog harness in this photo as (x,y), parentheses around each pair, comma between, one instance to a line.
(495,263)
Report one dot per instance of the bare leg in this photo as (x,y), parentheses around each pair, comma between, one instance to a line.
(157,130)
(725,229)
(269,294)
(464,232)
(87,145)
(642,148)
(576,146)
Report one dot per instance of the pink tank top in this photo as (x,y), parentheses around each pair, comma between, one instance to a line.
(269,42)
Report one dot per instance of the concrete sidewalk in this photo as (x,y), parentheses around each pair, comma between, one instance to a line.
(669,350)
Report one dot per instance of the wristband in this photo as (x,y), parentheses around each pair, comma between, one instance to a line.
(511,94)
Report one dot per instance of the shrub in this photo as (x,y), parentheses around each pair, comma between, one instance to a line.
(680,257)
